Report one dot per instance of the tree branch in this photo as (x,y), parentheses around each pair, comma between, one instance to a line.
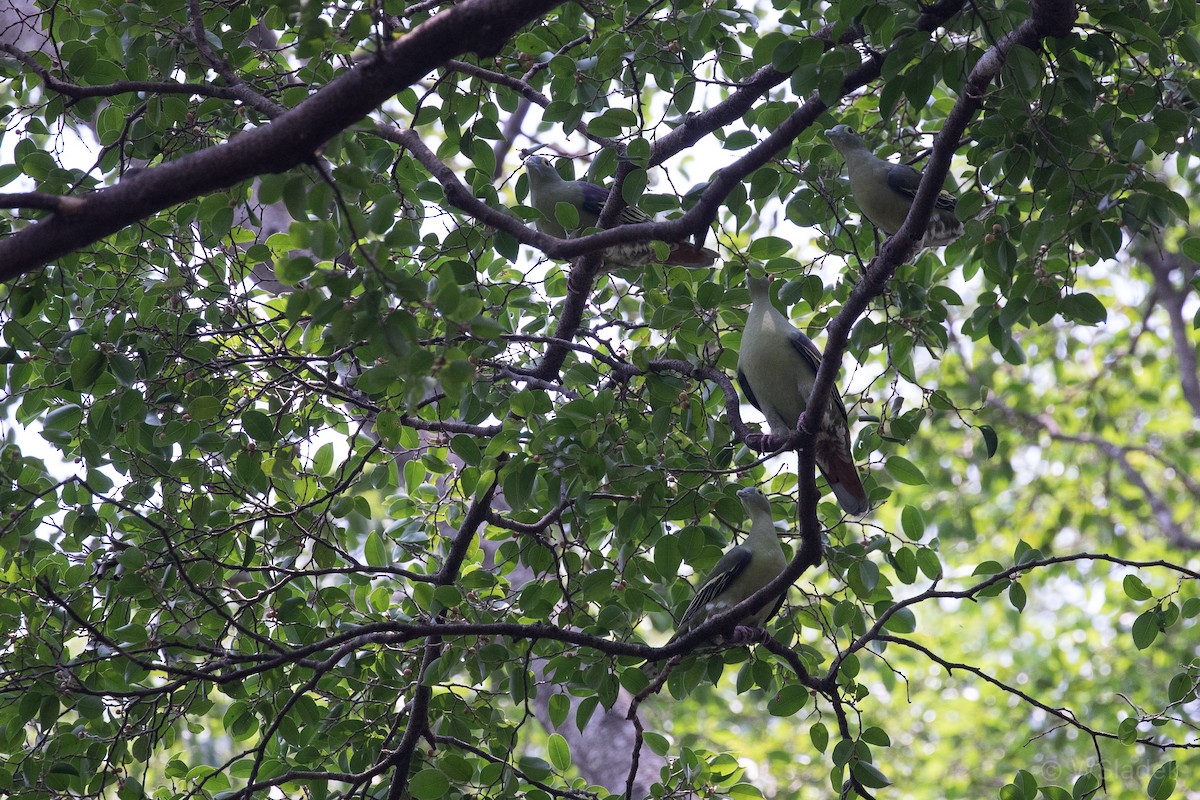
(290,140)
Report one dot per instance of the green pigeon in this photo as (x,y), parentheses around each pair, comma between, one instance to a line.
(885,191)
(547,189)
(742,571)
(776,368)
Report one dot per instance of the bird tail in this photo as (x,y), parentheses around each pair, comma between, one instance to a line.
(685,254)
(843,478)
(943,229)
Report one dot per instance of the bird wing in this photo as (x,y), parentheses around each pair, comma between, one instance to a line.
(744,382)
(812,356)
(775,609)
(905,180)
(594,198)
(727,570)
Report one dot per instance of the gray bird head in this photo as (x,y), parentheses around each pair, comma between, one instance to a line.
(540,168)
(844,139)
(752,500)
(759,287)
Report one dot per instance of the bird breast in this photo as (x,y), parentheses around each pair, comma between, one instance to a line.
(878,202)
(774,369)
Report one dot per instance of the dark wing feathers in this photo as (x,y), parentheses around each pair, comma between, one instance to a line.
(807,350)
(731,565)
(775,610)
(812,356)
(594,198)
(905,180)
(744,382)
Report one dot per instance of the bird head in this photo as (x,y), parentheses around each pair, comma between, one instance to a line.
(844,139)
(754,500)
(759,288)
(540,168)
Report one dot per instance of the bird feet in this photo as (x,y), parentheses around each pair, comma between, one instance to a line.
(769,443)
(759,442)
(745,634)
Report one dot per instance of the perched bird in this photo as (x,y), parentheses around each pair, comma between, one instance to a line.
(547,190)
(885,191)
(777,365)
(742,571)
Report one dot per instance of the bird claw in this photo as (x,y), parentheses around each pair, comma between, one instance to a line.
(760,442)
(745,634)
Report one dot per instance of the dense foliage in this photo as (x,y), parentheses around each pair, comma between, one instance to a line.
(320,477)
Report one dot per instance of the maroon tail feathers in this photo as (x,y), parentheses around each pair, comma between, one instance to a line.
(838,468)
(685,254)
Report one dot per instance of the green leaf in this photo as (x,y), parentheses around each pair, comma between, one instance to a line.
(87,369)
(612,122)
(130,789)
(990,440)
(64,418)
(1145,629)
(789,700)
(1016,596)
(904,471)
(658,744)
(1181,688)
(1084,308)
(240,722)
(819,735)
(740,140)
(205,407)
(1162,782)
(843,613)
(634,187)
(902,621)
(560,707)
(1135,589)
(560,752)
(429,784)
(929,563)
(1055,793)
(1026,67)
(876,736)
(1086,786)
(1191,248)
(1127,730)
(912,522)
(869,775)
(744,791)
(375,551)
(566,215)
(767,247)
(1188,47)
(258,426)
(1026,785)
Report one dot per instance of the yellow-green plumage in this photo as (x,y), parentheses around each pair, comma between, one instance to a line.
(742,571)
(884,191)
(548,190)
(777,366)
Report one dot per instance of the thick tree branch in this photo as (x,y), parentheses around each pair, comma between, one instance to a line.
(292,139)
